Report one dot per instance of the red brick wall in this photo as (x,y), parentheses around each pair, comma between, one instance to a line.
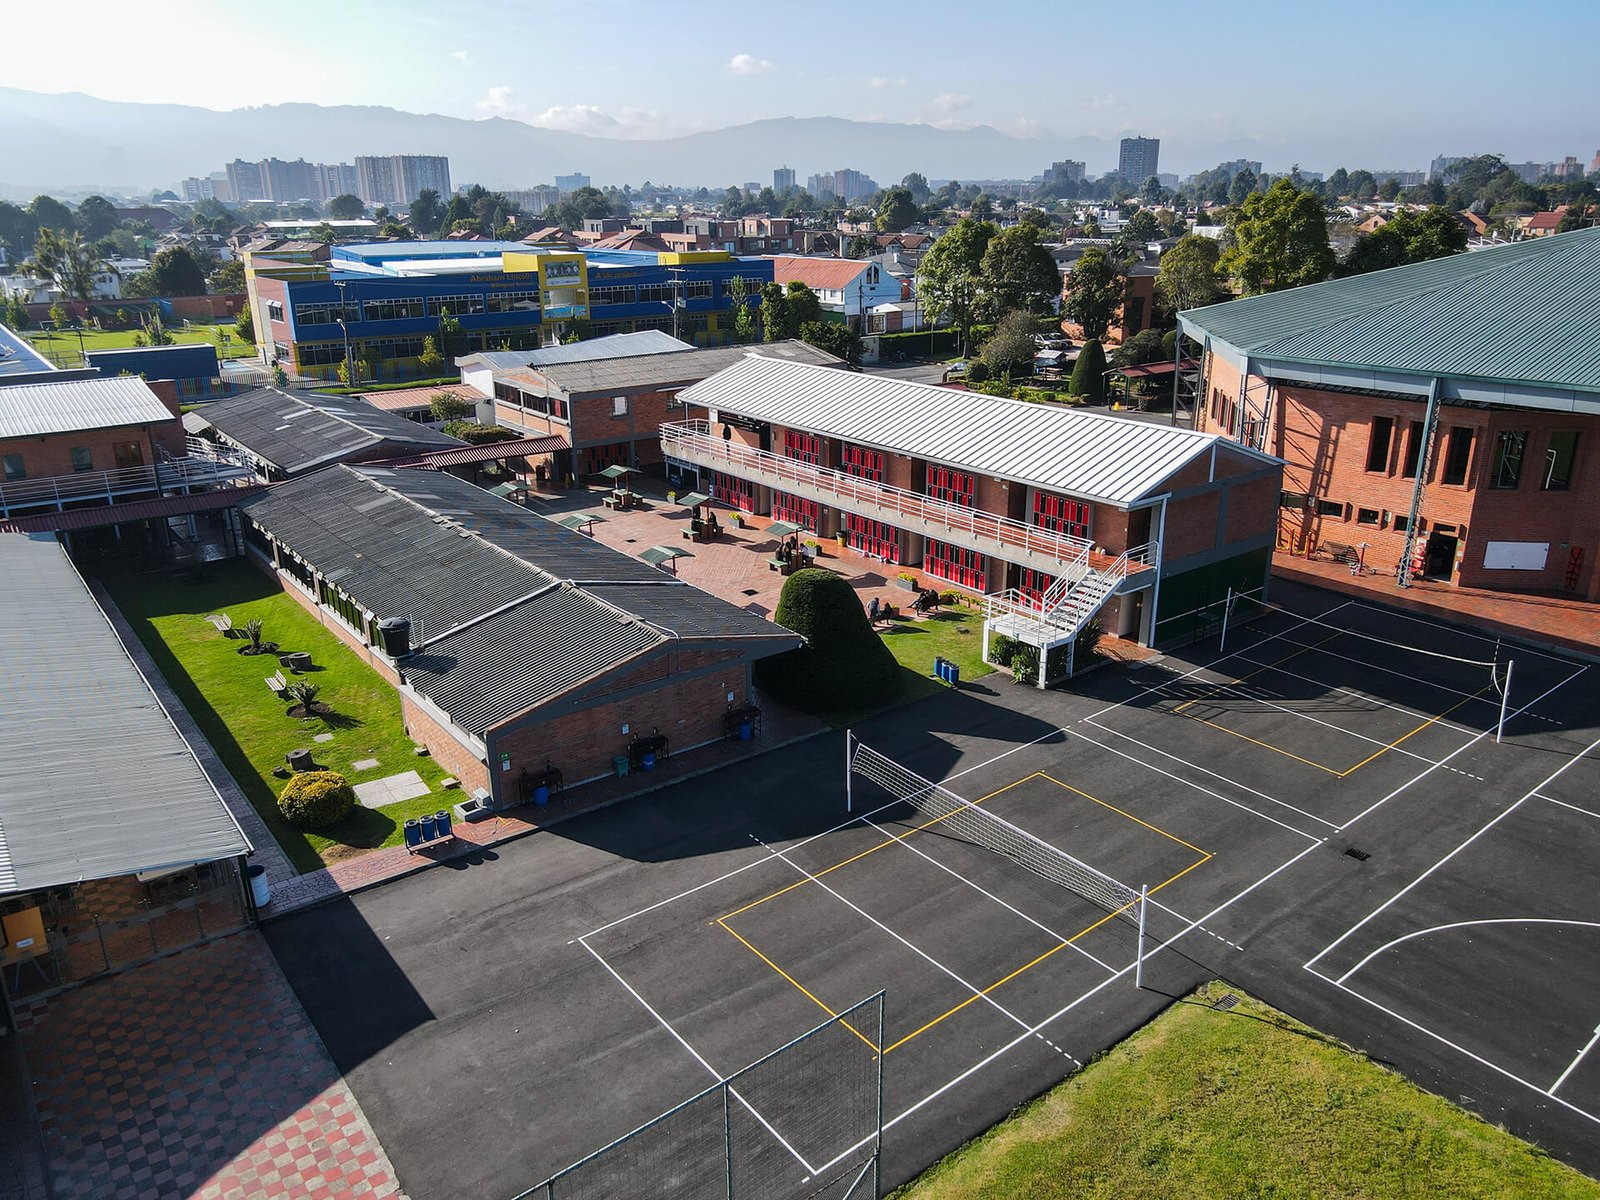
(52,454)
(1191,525)
(464,764)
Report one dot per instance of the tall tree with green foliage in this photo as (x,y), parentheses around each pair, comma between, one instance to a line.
(835,337)
(228,279)
(244,325)
(802,305)
(774,313)
(1009,350)
(1188,275)
(96,217)
(172,272)
(1094,292)
(426,211)
(896,210)
(1089,373)
(346,208)
(1409,237)
(1017,273)
(951,275)
(1280,240)
(68,263)
(49,213)
(744,318)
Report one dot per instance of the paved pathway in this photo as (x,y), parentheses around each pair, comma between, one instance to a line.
(195,1075)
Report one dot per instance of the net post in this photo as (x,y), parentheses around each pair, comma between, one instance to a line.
(727,1135)
(1227,608)
(1138,962)
(849,800)
(877,1149)
(1505,701)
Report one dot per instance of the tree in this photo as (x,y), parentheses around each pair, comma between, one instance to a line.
(801,304)
(426,211)
(774,313)
(430,360)
(17,312)
(835,337)
(228,279)
(1410,237)
(1242,186)
(982,207)
(1338,185)
(346,208)
(1388,189)
(245,325)
(172,272)
(843,663)
(153,332)
(744,319)
(896,210)
(1141,227)
(1188,276)
(1009,350)
(49,213)
(447,406)
(1280,241)
(96,217)
(1018,273)
(1094,292)
(951,273)
(1089,374)
(68,263)
(1146,346)
(323,233)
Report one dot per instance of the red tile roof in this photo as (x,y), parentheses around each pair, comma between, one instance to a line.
(1546,221)
(402,399)
(819,274)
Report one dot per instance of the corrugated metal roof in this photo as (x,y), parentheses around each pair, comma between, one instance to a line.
(299,431)
(95,779)
(665,370)
(34,409)
(1090,455)
(690,613)
(487,452)
(1527,312)
(615,345)
(100,515)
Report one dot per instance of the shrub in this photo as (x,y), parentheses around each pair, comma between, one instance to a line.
(1024,664)
(1001,648)
(316,799)
(478,435)
(1087,647)
(977,371)
(844,664)
(1088,375)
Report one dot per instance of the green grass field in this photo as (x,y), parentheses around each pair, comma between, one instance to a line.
(61,347)
(246,723)
(1242,1103)
(955,633)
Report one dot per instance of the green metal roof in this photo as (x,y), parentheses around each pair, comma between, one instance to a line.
(1527,313)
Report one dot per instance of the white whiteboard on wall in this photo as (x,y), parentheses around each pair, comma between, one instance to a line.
(1515,556)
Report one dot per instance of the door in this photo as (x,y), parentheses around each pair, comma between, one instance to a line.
(1440,560)
(128,454)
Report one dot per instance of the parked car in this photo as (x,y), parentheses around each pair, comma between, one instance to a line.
(956,370)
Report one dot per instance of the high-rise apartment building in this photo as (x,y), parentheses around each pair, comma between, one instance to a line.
(783,179)
(245,182)
(567,184)
(287,181)
(1066,171)
(398,178)
(1238,166)
(1139,158)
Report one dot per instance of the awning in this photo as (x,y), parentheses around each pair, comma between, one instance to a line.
(579,521)
(656,555)
(506,490)
(134,510)
(488,452)
(618,471)
(693,499)
(1147,370)
(782,529)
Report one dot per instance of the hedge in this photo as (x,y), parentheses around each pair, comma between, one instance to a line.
(844,664)
(316,800)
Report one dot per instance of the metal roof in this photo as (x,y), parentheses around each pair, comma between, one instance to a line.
(35,409)
(665,370)
(1526,313)
(487,452)
(99,515)
(1095,456)
(616,345)
(299,431)
(18,358)
(95,779)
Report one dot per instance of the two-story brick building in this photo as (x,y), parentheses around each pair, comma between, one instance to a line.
(1057,515)
(1441,418)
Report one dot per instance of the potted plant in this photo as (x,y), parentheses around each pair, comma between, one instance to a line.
(907,580)
(813,548)
(737,519)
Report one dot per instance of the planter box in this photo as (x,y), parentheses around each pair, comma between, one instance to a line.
(910,585)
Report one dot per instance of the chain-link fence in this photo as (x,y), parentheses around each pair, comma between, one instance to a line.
(803,1123)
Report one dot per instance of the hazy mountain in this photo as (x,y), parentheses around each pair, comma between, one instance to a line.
(74,139)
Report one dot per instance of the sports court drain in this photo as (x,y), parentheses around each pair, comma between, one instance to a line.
(1358,855)
(1224,1003)
(749,592)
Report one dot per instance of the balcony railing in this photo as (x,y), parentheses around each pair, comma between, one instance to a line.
(208,466)
(1015,541)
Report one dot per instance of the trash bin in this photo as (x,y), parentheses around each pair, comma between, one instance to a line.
(541,795)
(413,832)
(952,674)
(260,888)
(746,730)
(647,761)
(429,829)
(441,824)
(619,764)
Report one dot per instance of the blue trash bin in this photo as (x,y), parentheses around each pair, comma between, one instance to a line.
(647,761)
(429,829)
(746,730)
(952,674)
(413,832)
(541,795)
(441,824)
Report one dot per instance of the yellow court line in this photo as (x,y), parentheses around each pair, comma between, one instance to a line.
(1277,662)
(1120,812)
(1417,730)
(809,995)
(1268,745)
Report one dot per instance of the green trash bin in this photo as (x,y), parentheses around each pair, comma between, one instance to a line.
(620,765)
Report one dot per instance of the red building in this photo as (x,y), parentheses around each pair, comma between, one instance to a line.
(1441,418)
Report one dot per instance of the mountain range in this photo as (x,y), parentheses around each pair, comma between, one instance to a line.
(70,140)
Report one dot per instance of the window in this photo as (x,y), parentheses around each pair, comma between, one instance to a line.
(1509,448)
(960,566)
(1378,443)
(655,293)
(611,295)
(1401,524)
(1368,516)
(1457,456)
(1294,500)
(953,487)
(403,309)
(1330,508)
(1558,459)
(805,447)
(1413,458)
(307,315)
(1058,514)
(862,463)
(14,468)
(730,489)
(505,302)
(796,510)
(598,458)
(82,460)
(619,406)
(274,310)
(697,289)
(875,538)
(456,306)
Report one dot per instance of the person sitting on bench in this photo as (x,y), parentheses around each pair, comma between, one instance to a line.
(711,526)
(874,609)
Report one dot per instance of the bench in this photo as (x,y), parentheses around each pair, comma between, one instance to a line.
(276,683)
(780,566)
(222,622)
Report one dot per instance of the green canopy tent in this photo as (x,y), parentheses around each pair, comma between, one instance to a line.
(782,529)
(617,471)
(580,522)
(693,499)
(657,555)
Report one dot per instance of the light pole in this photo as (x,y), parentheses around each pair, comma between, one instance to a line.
(349,367)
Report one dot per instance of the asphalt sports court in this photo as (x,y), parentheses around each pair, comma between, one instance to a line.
(1197,783)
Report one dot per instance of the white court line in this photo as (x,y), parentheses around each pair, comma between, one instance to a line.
(1455,631)
(1377,804)
(1465,925)
(1556,774)
(905,840)
(915,949)
(1573,1065)
(684,1042)
(1207,771)
(1035,1030)
(854,820)
(1371,699)
(1574,807)
(1477,1058)
(1223,657)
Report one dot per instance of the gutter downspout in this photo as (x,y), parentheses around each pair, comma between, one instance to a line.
(1430,421)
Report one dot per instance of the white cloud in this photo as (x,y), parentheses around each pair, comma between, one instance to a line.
(951,102)
(499,102)
(464,57)
(588,119)
(878,83)
(1109,100)
(748,64)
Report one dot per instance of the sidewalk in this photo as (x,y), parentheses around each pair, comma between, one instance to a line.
(1548,621)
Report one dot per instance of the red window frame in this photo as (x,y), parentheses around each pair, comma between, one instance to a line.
(959,565)
(951,486)
(598,458)
(876,538)
(1061,514)
(796,510)
(1034,584)
(803,447)
(730,489)
(862,463)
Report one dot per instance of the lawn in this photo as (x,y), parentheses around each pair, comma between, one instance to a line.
(62,347)
(248,725)
(955,633)
(1244,1102)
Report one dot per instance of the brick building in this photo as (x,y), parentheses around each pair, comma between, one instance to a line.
(1444,416)
(528,646)
(1057,515)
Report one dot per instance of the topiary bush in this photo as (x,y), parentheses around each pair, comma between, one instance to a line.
(844,664)
(316,799)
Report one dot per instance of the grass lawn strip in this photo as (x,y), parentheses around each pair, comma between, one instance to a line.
(62,345)
(246,724)
(1244,1102)
(955,633)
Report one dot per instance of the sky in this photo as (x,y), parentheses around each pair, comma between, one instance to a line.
(1301,80)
